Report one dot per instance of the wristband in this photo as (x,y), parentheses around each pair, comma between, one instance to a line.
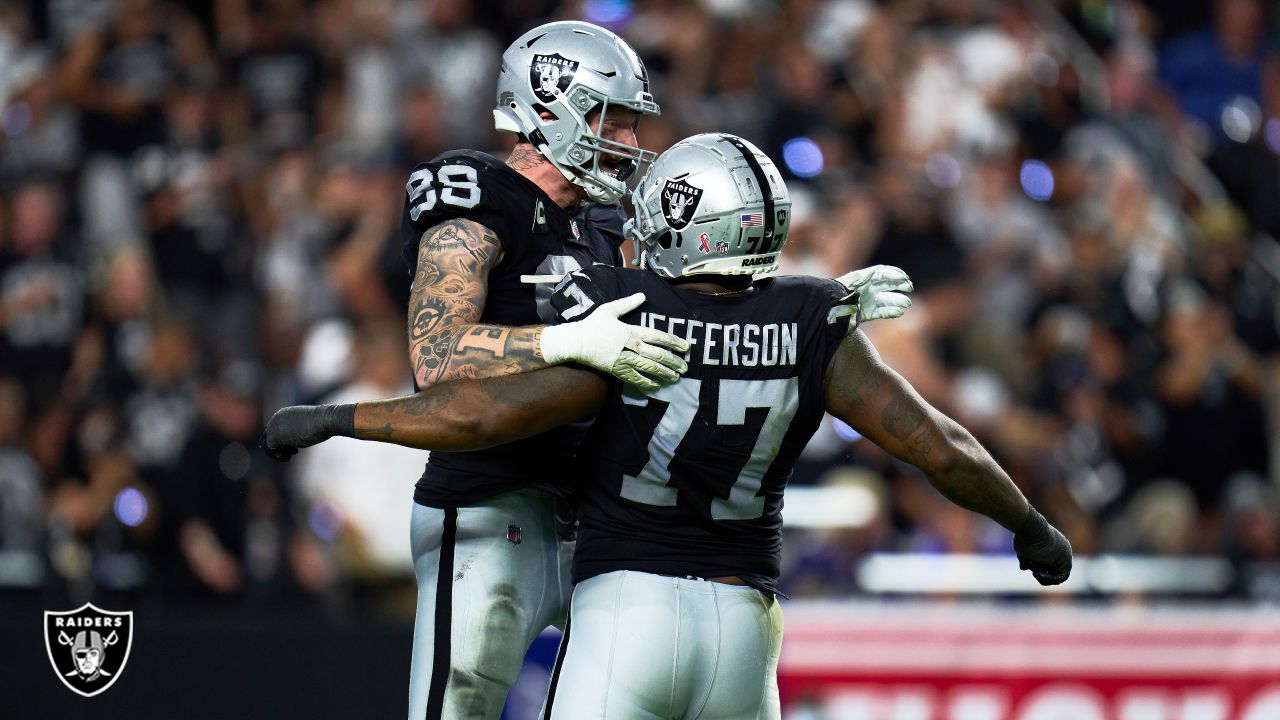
(339,419)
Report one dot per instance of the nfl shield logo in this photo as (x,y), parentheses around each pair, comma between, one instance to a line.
(88,647)
(679,203)
(550,75)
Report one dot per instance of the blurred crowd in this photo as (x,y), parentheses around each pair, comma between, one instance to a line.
(199,206)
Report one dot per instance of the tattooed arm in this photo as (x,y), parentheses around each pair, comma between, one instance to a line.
(446,341)
(874,400)
(464,415)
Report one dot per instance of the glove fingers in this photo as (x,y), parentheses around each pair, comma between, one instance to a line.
(887,274)
(661,339)
(1050,578)
(888,305)
(880,286)
(885,313)
(853,279)
(896,299)
(649,368)
(636,380)
(667,359)
(890,273)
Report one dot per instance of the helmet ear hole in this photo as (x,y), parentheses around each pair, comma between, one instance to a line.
(545,113)
(664,240)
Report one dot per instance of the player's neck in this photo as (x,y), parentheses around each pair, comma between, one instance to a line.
(536,169)
(725,285)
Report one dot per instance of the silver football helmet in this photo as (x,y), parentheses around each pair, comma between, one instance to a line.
(571,69)
(711,204)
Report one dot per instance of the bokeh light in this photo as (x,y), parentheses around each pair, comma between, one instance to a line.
(802,157)
(324,521)
(131,506)
(1037,180)
(17,118)
(607,12)
(942,169)
(1241,119)
(844,432)
(1042,68)
(1271,134)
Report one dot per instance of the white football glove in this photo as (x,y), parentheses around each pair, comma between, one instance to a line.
(637,356)
(881,292)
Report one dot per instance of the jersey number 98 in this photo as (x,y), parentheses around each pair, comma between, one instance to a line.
(454,185)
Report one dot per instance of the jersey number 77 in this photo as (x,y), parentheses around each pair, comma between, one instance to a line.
(780,396)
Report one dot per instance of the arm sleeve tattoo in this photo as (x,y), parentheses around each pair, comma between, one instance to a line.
(446,339)
(874,400)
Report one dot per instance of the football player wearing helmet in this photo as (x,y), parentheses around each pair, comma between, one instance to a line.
(680,487)
(492,532)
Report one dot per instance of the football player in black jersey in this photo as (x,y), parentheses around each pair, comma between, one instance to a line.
(680,488)
(491,532)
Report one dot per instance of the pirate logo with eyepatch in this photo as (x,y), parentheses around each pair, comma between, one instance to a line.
(88,647)
(550,75)
(679,203)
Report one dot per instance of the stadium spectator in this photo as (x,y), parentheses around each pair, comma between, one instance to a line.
(183,186)
(360,486)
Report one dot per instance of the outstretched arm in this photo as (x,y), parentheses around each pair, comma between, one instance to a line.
(464,415)
(448,342)
(874,400)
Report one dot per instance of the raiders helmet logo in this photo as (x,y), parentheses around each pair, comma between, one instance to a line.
(88,647)
(550,75)
(679,203)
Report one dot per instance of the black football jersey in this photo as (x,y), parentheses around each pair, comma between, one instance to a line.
(688,480)
(539,238)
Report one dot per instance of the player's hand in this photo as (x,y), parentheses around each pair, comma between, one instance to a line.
(300,426)
(881,291)
(1042,550)
(642,357)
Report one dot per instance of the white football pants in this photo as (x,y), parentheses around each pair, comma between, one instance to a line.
(491,576)
(653,647)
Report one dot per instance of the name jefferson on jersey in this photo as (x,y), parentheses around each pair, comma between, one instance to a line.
(737,344)
(688,479)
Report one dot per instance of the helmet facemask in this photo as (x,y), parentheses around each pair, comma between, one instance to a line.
(583,159)
(573,70)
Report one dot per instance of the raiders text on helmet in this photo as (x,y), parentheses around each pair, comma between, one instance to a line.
(712,204)
(571,69)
